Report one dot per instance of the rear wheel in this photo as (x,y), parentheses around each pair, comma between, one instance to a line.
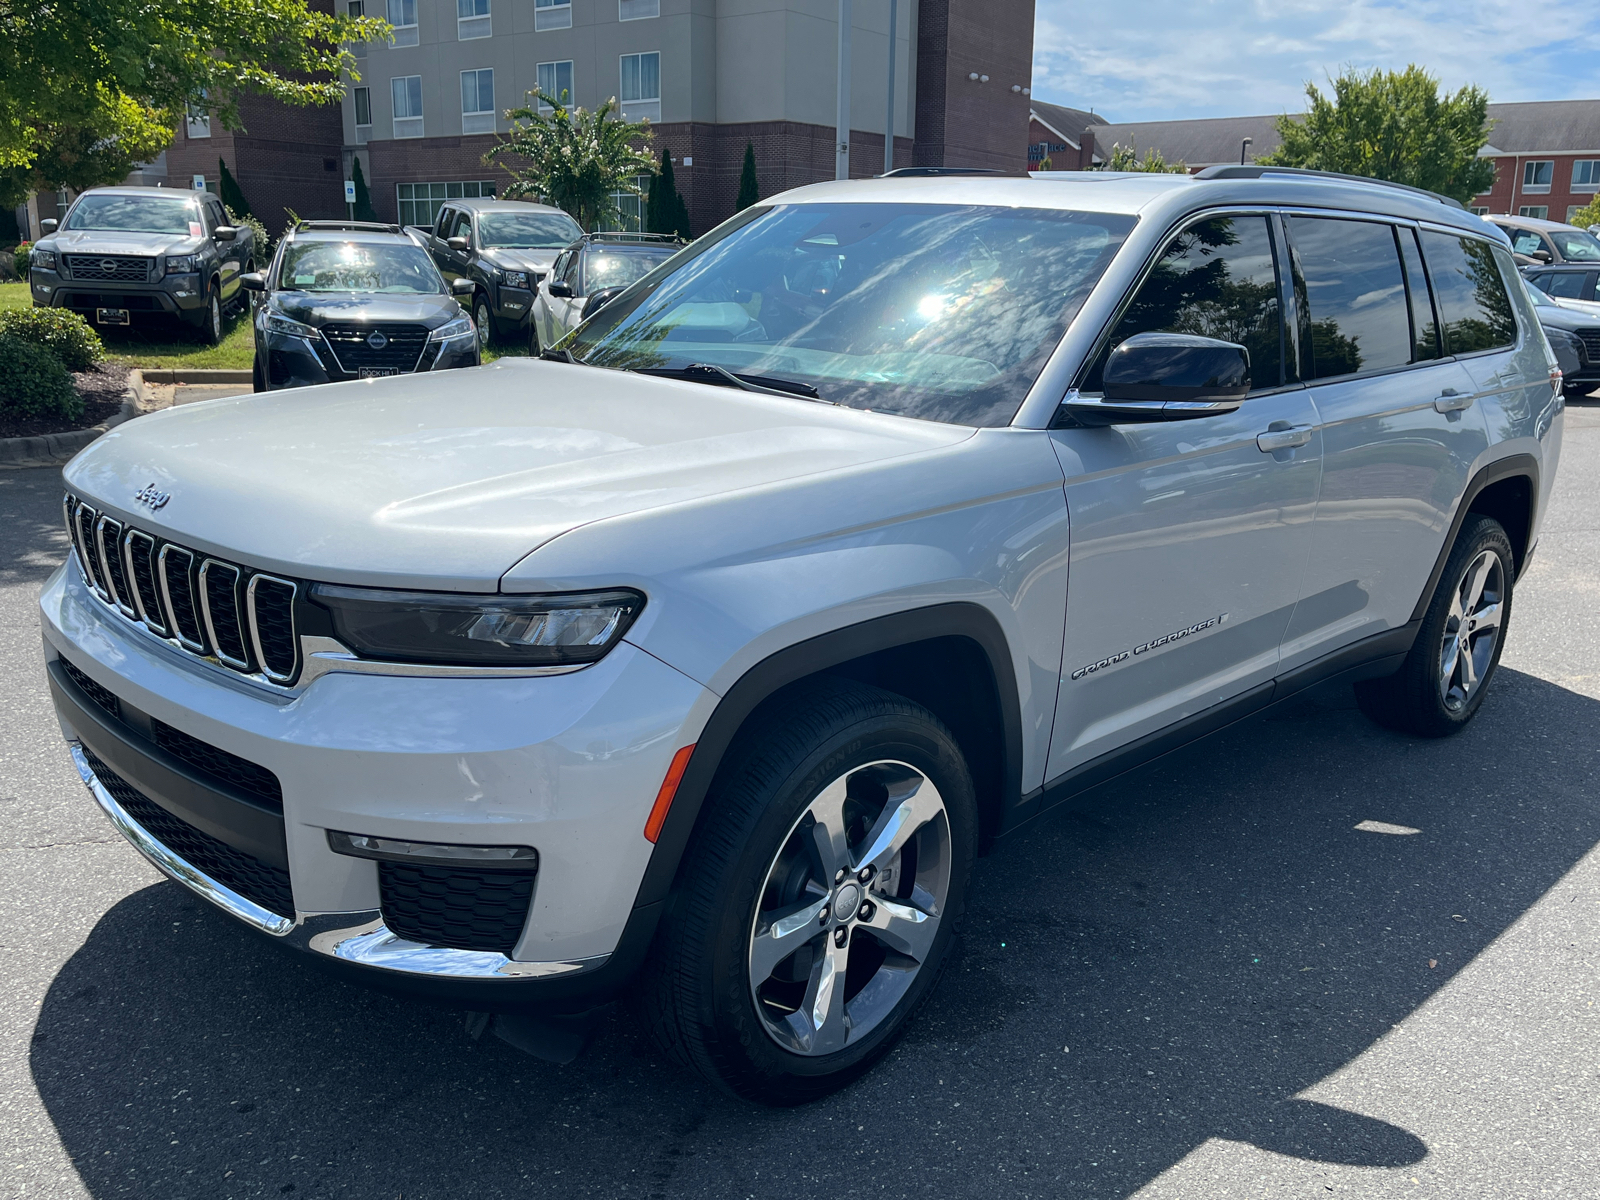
(820,902)
(1444,679)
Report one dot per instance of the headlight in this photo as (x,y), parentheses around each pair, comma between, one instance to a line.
(460,327)
(490,631)
(277,324)
(42,258)
(517,279)
(180,264)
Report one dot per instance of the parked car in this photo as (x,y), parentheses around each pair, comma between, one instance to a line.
(697,667)
(1569,281)
(590,273)
(504,247)
(354,300)
(135,255)
(1573,329)
(1536,242)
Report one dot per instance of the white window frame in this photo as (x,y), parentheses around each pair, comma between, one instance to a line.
(552,14)
(405,32)
(409,124)
(363,131)
(197,122)
(1479,210)
(641,107)
(1530,172)
(1539,212)
(473,24)
(572,85)
(638,10)
(1573,210)
(436,196)
(478,120)
(357,8)
(1589,167)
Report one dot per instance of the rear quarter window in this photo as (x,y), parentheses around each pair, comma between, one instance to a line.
(1355,294)
(1474,306)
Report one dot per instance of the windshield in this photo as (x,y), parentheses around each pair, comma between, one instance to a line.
(527,231)
(137,214)
(618,268)
(1576,245)
(358,267)
(943,312)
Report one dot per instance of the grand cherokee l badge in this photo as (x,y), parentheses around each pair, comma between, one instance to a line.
(1165,639)
(152,499)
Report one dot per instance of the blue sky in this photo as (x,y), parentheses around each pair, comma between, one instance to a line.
(1140,60)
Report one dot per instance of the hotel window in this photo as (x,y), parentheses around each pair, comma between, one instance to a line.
(357,8)
(402,15)
(363,101)
(555,79)
(1537,211)
(630,209)
(407,93)
(552,14)
(420,202)
(198,122)
(472,20)
(477,101)
(1586,175)
(637,10)
(641,87)
(1536,175)
(1478,210)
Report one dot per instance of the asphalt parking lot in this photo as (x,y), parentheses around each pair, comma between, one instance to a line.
(1203,982)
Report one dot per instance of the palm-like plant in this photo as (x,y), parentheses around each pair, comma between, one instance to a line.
(576,158)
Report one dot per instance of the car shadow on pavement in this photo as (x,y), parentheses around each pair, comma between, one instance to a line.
(1174,959)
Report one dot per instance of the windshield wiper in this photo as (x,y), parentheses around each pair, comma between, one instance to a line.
(767,385)
(560,356)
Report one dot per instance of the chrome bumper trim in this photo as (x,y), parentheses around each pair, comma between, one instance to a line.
(370,944)
(170,864)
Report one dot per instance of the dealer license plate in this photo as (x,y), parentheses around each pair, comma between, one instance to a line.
(376,372)
(111,316)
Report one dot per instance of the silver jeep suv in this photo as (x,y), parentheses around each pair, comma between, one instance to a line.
(695,664)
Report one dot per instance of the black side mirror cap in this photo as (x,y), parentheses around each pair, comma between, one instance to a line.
(226,233)
(458,243)
(1542,256)
(255,281)
(462,287)
(563,290)
(48,225)
(600,299)
(1166,377)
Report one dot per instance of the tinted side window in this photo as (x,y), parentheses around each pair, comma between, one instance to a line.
(446,219)
(1474,307)
(1566,284)
(570,274)
(1217,279)
(1424,327)
(1355,295)
(1523,241)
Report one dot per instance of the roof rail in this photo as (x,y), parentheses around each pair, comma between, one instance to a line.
(353,226)
(1256,172)
(622,235)
(929,172)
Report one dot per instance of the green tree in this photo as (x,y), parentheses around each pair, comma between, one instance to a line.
(228,188)
(88,88)
(364,209)
(1126,158)
(577,158)
(749,190)
(1392,125)
(665,211)
(1586,216)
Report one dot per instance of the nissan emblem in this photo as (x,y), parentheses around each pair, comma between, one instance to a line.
(376,340)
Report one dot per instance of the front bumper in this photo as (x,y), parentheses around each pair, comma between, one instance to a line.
(298,362)
(172,296)
(569,764)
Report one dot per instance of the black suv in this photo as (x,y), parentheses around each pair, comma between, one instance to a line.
(1568,281)
(352,300)
(504,247)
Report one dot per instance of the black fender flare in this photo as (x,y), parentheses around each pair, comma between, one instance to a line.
(1508,467)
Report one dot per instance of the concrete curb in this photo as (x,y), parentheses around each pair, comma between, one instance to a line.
(55,449)
(184,375)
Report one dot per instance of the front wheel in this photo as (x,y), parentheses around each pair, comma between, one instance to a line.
(210,330)
(820,900)
(482,318)
(1444,679)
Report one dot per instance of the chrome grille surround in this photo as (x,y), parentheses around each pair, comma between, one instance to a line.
(166,590)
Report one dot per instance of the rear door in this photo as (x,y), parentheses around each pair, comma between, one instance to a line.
(1401,428)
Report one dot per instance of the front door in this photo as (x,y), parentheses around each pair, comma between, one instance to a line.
(1188,538)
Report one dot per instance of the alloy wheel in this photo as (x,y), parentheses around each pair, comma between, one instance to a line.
(850,908)
(480,317)
(214,316)
(1471,630)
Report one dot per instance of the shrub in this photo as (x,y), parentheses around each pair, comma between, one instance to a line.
(59,330)
(21,259)
(263,242)
(33,383)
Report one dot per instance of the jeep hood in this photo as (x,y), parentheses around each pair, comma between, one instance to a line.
(446,481)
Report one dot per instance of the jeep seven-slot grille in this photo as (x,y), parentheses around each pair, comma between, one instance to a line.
(110,268)
(240,618)
(400,347)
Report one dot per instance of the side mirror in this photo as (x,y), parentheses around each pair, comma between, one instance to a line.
(600,299)
(1540,256)
(563,290)
(255,281)
(1167,377)
(48,225)
(225,233)
(458,243)
(462,286)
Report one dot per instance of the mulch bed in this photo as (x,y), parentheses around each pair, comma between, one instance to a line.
(102,389)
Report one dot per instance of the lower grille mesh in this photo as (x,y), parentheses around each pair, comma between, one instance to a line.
(101,696)
(253,879)
(461,909)
(241,774)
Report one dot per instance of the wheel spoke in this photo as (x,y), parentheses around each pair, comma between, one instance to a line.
(1488,617)
(1469,666)
(903,928)
(824,1003)
(782,937)
(902,816)
(1477,574)
(1447,663)
(829,845)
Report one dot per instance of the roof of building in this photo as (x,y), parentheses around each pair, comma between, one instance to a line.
(1066,123)
(1545,126)
(1197,143)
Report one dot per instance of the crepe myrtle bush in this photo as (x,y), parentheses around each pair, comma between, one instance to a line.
(60,331)
(33,383)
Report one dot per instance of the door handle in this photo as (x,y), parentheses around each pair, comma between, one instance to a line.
(1450,401)
(1283,439)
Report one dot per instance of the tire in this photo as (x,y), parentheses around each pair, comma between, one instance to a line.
(743,1010)
(209,330)
(534,348)
(483,319)
(1439,688)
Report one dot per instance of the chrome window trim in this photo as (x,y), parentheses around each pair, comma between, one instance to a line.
(102,523)
(166,595)
(159,623)
(211,627)
(255,629)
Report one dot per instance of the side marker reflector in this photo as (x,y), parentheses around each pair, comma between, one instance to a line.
(669,789)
